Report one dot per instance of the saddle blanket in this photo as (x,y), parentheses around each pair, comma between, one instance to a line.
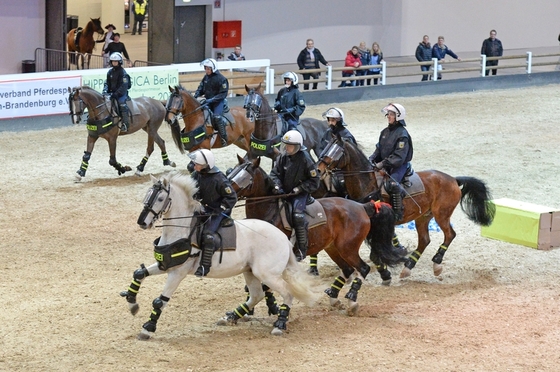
(314,214)
(416,186)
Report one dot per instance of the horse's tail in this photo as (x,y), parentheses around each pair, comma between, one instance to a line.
(176,134)
(380,236)
(476,200)
(300,283)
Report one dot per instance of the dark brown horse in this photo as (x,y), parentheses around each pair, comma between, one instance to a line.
(198,131)
(103,121)
(442,193)
(347,225)
(268,128)
(86,43)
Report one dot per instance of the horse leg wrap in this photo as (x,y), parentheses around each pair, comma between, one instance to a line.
(301,235)
(158,305)
(335,288)
(352,294)
(252,311)
(438,258)
(113,162)
(270,302)
(165,158)
(364,270)
(383,272)
(235,315)
(412,259)
(313,265)
(140,167)
(283,316)
(85,164)
(396,242)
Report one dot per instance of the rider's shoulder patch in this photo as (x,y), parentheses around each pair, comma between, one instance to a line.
(401,145)
(313,173)
(301,102)
(228,190)
(224,86)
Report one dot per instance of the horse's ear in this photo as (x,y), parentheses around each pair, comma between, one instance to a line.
(247,88)
(240,160)
(170,89)
(257,162)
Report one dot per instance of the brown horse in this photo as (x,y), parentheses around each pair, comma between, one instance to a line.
(198,131)
(347,225)
(86,43)
(442,193)
(103,121)
(265,140)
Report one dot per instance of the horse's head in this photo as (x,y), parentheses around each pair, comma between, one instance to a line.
(76,104)
(181,104)
(176,186)
(248,179)
(254,102)
(97,106)
(96,22)
(333,156)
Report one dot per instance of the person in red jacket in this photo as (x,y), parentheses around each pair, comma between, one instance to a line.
(352,60)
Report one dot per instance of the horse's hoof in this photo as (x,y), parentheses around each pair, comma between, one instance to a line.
(352,308)
(405,273)
(227,320)
(134,308)
(386,282)
(438,269)
(77,177)
(277,332)
(138,173)
(170,163)
(144,335)
(335,302)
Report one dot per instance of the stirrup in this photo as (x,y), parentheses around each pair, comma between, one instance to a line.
(201,271)
(124,127)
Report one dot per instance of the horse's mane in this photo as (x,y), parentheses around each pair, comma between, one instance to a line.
(184,181)
(181,89)
(357,156)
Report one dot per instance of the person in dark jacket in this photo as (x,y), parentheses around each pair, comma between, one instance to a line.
(365,58)
(439,51)
(217,198)
(337,127)
(393,154)
(295,173)
(116,86)
(214,87)
(423,54)
(117,47)
(309,58)
(492,47)
(376,58)
(289,101)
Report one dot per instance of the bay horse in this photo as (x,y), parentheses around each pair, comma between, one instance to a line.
(265,139)
(86,43)
(198,131)
(262,254)
(348,224)
(442,193)
(103,121)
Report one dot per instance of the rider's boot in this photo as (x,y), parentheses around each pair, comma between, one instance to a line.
(396,201)
(220,125)
(124,117)
(301,235)
(208,245)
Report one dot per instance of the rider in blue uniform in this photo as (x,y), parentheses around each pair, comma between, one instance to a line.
(393,154)
(117,85)
(214,87)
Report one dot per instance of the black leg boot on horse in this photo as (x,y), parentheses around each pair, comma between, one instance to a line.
(300,227)
(124,117)
(208,246)
(220,125)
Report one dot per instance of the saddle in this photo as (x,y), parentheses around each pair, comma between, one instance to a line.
(412,184)
(314,213)
(77,35)
(225,114)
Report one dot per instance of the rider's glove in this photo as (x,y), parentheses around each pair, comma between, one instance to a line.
(379,165)
(277,190)
(296,190)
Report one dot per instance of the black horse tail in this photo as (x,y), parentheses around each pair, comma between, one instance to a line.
(476,200)
(176,133)
(380,236)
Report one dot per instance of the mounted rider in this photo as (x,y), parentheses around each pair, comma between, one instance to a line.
(337,128)
(289,101)
(217,198)
(295,172)
(393,154)
(214,87)
(117,85)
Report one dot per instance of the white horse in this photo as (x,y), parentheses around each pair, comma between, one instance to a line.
(263,254)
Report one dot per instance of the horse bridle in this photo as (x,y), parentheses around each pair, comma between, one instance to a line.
(169,107)
(157,193)
(241,176)
(76,114)
(252,105)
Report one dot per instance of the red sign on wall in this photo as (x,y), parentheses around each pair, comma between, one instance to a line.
(227,34)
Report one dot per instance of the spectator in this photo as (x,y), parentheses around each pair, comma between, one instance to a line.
(117,46)
(492,47)
(309,58)
(376,58)
(236,55)
(423,54)
(439,51)
(140,9)
(352,60)
(365,57)
(107,39)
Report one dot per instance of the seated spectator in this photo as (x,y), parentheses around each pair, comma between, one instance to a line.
(365,56)
(439,51)
(236,55)
(352,60)
(376,58)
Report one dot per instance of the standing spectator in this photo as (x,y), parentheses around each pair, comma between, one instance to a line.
(423,54)
(107,39)
(365,57)
(236,55)
(352,60)
(140,9)
(492,47)
(117,46)
(309,58)
(439,51)
(376,58)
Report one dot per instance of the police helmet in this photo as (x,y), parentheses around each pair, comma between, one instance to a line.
(210,62)
(116,57)
(290,75)
(203,157)
(335,113)
(397,108)
(293,137)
